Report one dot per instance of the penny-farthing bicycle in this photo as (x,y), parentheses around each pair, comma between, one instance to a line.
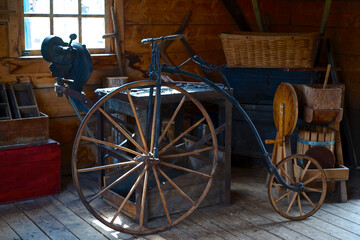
(142,155)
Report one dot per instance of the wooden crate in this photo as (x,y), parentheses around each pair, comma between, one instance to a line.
(23,101)
(29,171)
(24,130)
(191,184)
(5,113)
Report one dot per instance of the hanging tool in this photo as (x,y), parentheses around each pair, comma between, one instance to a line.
(166,44)
(258,15)
(345,125)
(323,28)
(237,15)
(325,17)
(267,22)
(117,41)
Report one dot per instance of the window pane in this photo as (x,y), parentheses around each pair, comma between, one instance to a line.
(65,6)
(92,7)
(36,29)
(92,31)
(64,26)
(36,6)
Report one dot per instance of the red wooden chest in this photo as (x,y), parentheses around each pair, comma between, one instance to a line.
(30,171)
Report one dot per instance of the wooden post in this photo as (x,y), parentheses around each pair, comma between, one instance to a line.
(228,121)
(15,27)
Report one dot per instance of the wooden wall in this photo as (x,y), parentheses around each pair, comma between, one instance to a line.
(151,18)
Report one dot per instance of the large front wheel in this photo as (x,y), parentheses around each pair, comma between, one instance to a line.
(131,186)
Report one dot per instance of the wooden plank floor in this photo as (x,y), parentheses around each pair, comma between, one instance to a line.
(250,216)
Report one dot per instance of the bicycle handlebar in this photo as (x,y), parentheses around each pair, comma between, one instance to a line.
(170,37)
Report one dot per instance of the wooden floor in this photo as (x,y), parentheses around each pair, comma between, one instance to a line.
(250,216)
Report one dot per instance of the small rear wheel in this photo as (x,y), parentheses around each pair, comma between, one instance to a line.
(306,173)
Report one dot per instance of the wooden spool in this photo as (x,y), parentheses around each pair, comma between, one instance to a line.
(285,112)
(285,98)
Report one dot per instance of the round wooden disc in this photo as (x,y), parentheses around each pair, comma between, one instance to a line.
(285,95)
(323,155)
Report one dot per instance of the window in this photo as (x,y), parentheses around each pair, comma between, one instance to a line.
(86,18)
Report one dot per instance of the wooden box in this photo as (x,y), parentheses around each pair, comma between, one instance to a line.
(321,115)
(338,173)
(314,96)
(192,185)
(320,105)
(24,130)
(29,171)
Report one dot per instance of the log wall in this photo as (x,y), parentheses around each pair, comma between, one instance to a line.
(151,18)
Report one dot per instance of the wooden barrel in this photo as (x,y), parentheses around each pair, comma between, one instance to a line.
(315,135)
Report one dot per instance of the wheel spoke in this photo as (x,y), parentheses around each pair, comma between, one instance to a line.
(185,169)
(115,182)
(110,145)
(181,135)
(105,166)
(313,190)
(282,196)
(277,185)
(286,174)
(137,121)
(313,178)
(187,153)
(299,204)
(129,194)
(206,138)
(295,167)
(161,195)
(172,119)
(177,148)
(305,170)
(143,197)
(308,199)
(122,130)
(175,186)
(152,141)
(291,202)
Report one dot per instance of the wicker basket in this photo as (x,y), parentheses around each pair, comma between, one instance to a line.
(269,50)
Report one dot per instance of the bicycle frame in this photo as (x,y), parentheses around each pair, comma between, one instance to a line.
(155,70)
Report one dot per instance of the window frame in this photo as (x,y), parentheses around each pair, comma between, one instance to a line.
(24,52)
